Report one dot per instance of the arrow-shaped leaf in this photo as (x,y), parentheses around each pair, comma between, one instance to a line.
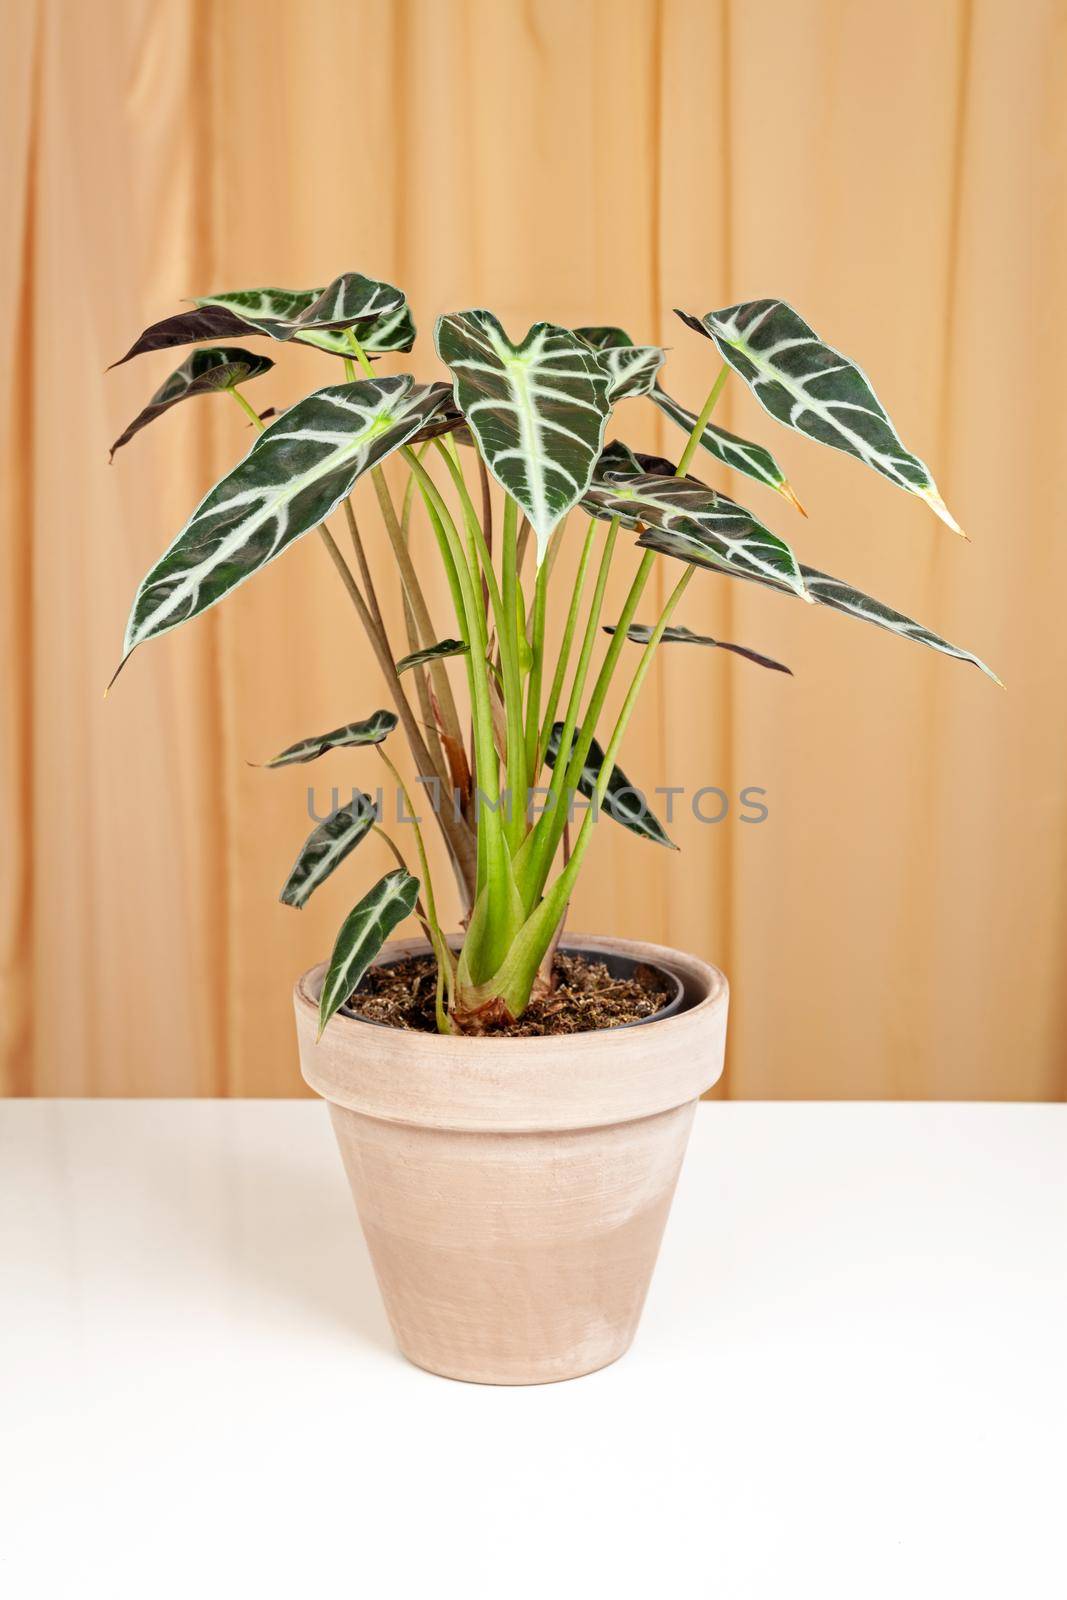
(631,368)
(203,372)
(372,730)
(640,633)
(280,313)
(432,652)
(326,847)
(538,410)
(729,448)
(813,388)
(824,590)
(362,935)
(622,802)
(297,471)
(688,512)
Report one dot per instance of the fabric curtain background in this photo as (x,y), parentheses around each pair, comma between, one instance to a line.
(898,925)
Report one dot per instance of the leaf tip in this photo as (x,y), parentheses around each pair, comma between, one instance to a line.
(786,490)
(940,509)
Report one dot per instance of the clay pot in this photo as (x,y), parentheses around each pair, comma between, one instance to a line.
(513,1192)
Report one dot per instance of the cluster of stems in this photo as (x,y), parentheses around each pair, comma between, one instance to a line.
(502,848)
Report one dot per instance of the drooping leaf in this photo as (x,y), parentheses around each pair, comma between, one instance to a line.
(278,313)
(538,410)
(325,847)
(640,633)
(622,802)
(296,472)
(813,388)
(432,652)
(372,730)
(686,510)
(824,590)
(347,302)
(202,372)
(188,327)
(617,460)
(631,368)
(730,448)
(362,935)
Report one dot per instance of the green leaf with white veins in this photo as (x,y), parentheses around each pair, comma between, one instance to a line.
(432,652)
(296,472)
(348,302)
(723,533)
(326,847)
(372,730)
(202,372)
(740,454)
(622,802)
(813,388)
(538,410)
(362,935)
(631,368)
(641,633)
(823,590)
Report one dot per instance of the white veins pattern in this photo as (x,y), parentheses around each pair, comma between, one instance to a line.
(372,730)
(824,590)
(295,474)
(716,528)
(631,368)
(362,935)
(729,448)
(325,847)
(538,409)
(622,802)
(808,385)
(378,311)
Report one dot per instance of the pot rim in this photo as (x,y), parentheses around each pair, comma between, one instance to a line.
(497,1084)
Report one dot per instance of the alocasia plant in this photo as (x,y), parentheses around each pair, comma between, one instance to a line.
(531,414)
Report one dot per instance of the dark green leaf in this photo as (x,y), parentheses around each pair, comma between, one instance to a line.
(824,590)
(432,652)
(733,451)
(719,530)
(622,802)
(372,730)
(296,472)
(362,935)
(813,388)
(326,847)
(631,368)
(202,372)
(639,633)
(538,410)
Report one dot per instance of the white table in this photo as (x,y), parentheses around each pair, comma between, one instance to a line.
(851,1378)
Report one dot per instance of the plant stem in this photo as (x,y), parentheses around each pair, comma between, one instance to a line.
(702,421)
(357,350)
(568,638)
(533,686)
(249,409)
(445,969)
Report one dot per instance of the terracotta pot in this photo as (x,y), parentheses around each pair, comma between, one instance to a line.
(513,1192)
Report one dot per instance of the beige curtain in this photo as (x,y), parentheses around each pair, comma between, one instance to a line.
(898,924)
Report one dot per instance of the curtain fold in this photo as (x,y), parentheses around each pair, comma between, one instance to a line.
(897,927)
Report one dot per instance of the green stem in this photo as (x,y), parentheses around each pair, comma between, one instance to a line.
(357,350)
(529,946)
(537,667)
(248,409)
(702,421)
(570,625)
(445,969)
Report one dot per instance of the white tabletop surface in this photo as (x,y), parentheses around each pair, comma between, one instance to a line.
(851,1378)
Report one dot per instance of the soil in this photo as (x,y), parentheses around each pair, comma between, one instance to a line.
(585,997)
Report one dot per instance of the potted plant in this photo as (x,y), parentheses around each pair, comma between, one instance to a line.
(512,1110)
